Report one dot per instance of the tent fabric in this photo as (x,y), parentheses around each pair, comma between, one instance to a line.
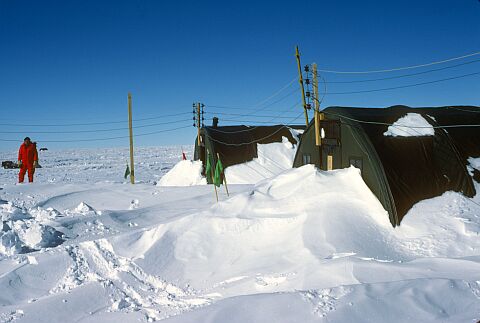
(238,144)
(414,168)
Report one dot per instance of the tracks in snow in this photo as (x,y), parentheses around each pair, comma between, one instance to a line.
(129,287)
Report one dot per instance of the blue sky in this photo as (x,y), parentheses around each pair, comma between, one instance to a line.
(70,62)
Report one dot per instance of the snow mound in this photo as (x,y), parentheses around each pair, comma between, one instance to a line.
(23,236)
(402,127)
(293,220)
(9,212)
(474,162)
(36,235)
(41,214)
(273,159)
(298,220)
(82,209)
(184,173)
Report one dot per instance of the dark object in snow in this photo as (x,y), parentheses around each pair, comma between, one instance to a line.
(43,149)
(8,164)
(400,171)
(229,142)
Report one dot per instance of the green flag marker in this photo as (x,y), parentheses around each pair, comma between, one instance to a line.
(127,172)
(208,167)
(217,178)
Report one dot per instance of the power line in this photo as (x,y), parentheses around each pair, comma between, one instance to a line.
(472,111)
(252,128)
(103,139)
(405,86)
(91,123)
(243,115)
(257,140)
(400,68)
(404,75)
(277,93)
(252,108)
(402,126)
(99,130)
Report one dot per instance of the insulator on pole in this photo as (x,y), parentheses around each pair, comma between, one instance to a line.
(194,118)
(307,81)
(203,105)
(307,94)
(309,106)
(306,68)
(194,124)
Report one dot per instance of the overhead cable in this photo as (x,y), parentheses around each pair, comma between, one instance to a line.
(257,140)
(402,76)
(101,130)
(254,127)
(400,68)
(104,139)
(91,123)
(405,86)
(400,125)
(254,109)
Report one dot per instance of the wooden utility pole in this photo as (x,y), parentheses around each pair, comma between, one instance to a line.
(132,172)
(198,124)
(317,115)
(297,54)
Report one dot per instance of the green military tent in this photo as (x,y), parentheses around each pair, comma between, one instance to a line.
(400,170)
(238,144)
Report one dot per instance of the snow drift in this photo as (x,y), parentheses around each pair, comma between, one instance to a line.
(184,173)
(273,159)
(302,246)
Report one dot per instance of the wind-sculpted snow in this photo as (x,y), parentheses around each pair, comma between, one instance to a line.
(302,246)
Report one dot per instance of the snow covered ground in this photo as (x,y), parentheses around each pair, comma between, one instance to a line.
(83,245)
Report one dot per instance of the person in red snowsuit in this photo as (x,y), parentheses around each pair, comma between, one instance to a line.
(27,160)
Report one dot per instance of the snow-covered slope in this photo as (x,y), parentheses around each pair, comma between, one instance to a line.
(301,246)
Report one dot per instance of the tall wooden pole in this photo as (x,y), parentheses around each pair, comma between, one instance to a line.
(132,171)
(297,54)
(198,124)
(317,105)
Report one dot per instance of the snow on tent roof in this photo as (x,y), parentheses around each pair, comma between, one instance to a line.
(402,171)
(410,125)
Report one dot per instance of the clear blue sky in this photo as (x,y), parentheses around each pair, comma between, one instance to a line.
(64,62)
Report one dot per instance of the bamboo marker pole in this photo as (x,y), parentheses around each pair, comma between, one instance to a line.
(211,176)
(224,177)
(297,55)
(215,188)
(132,172)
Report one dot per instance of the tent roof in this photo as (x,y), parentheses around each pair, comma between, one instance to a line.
(238,144)
(419,167)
